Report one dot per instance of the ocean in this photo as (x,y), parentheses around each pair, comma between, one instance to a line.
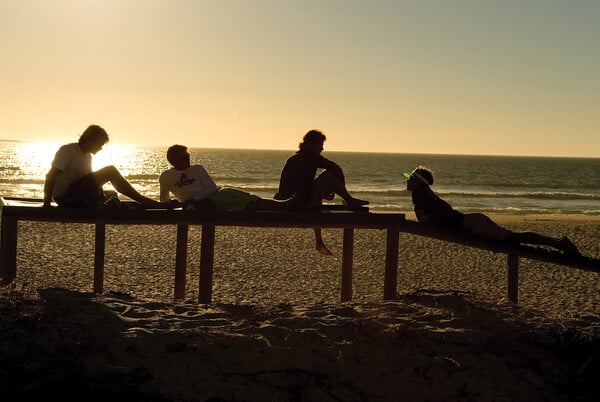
(470,183)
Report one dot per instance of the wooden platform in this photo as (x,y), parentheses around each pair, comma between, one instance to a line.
(16,209)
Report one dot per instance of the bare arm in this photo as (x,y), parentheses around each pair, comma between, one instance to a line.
(334,167)
(49,185)
(422,216)
(164,189)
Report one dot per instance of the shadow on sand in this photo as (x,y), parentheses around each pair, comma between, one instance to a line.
(426,346)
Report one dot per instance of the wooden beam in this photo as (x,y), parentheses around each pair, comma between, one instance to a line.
(523,251)
(8,249)
(99,245)
(207,257)
(332,219)
(181,261)
(347,261)
(390,281)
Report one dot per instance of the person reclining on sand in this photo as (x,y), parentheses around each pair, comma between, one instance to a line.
(298,177)
(193,186)
(431,209)
(72,183)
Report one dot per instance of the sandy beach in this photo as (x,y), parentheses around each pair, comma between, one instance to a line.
(277,331)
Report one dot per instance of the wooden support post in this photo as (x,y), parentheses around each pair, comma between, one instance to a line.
(99,257)
(347,259)
(181,261)
(391,264)
(8,249)
(207,257)
(513,278)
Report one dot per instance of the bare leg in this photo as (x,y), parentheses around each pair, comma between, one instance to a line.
(327,183)
(320,245)
(111,174)
(563,243)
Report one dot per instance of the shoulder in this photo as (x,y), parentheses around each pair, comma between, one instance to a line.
(72,147)
(166,173)
(424,194)
(69,154)
(326,161)
(295,156)
(197,169)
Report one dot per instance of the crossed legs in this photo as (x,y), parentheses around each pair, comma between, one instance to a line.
(326,185)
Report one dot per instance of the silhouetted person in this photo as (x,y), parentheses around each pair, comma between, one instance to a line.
(298,177)
(431,209)
(193,186)
(72,183)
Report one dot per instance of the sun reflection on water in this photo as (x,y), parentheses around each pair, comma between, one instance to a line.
(35,159)
(24,166)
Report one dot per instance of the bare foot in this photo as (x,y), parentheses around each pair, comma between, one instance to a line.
(172,204)
(355,203)
(321,248)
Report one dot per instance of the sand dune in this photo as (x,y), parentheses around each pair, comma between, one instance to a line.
(276,330)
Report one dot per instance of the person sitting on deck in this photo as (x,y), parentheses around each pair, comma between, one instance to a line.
(193,186)
(298,177)
(431,209)
(72,183)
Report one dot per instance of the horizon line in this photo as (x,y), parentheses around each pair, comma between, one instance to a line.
(339,151)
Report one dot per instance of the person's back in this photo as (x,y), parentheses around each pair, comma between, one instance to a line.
(430,208)
(298,179)
(73,164)
(298,174)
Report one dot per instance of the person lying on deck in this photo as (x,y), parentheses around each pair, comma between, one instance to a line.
(431,209)
(298,177)
(72,183)
(193,186)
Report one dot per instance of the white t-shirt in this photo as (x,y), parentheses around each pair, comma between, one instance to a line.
(73,163)
(193,182)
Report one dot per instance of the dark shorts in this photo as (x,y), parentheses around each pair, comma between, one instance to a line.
(83,193)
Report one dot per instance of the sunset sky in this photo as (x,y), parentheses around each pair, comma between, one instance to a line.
(510,77)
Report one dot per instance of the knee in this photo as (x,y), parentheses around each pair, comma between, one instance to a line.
(328,175)
(108,168)
(327,180)
(109,171)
